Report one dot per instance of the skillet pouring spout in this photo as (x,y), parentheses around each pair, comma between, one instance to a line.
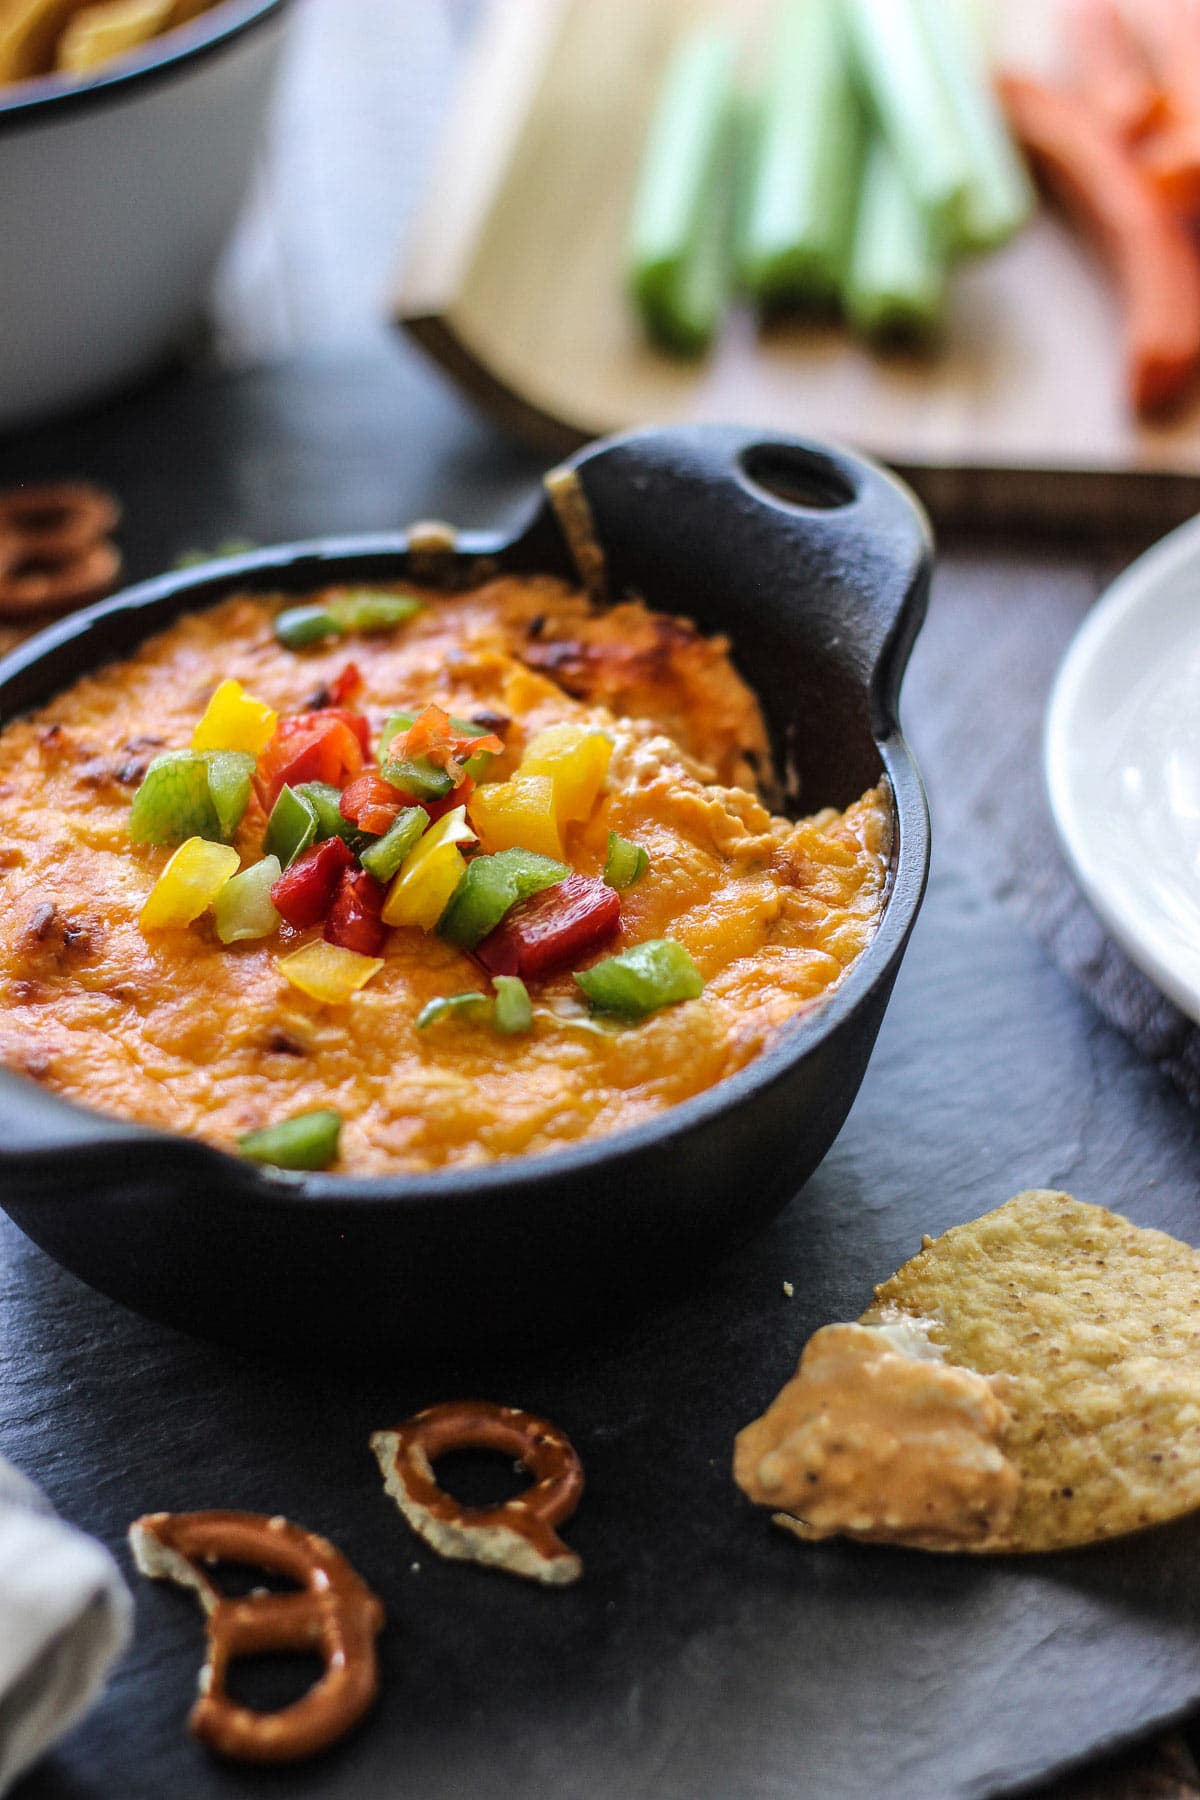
(815,564)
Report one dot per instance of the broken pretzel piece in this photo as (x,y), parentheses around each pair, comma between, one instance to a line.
(517,1535)
(335,1616)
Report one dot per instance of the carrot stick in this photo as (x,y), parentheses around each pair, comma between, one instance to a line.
(1153,260)
(1170,33)
(1111,67)
(1171,161)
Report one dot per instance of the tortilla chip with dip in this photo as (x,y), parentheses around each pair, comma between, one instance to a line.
(1028,1381)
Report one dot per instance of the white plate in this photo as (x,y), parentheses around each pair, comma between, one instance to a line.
(1123,762)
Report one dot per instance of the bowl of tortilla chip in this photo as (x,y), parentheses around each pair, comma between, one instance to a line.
(127,131)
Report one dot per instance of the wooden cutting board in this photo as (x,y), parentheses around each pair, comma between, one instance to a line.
(513,282)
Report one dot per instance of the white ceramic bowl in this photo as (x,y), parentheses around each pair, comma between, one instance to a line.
(1123,762)
(116,196)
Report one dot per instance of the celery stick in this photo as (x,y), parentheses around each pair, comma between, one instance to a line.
(1000,196)
(896,283)
(899,76)
(701,293)
(679,249)
(799,211)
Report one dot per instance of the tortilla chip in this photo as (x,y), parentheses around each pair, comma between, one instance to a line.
(1086,1328)
(99,33)
(879,1439)
(29,31)
(77,36)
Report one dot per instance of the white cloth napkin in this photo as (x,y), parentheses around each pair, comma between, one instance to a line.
(65,1617)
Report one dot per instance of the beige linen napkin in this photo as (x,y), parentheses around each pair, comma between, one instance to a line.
(64,1619)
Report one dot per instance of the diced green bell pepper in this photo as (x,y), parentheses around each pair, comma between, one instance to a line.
(292,826)
(394,723)
(510,1012)
(326,802)
(244,908)
(383,856)
(299,626)
(191,793)
(513,1011)
(173,802)
(229,776)
(308,1140)
(638,981)
(625,863)
(491,886)
(418,776)
(449,1005)
(477,766)
(362,611)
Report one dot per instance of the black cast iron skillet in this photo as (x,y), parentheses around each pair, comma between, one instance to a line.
(816,564)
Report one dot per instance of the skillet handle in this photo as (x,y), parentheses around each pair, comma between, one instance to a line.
(844,545)
(51,1148)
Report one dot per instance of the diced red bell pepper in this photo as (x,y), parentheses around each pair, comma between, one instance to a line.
(315,746)
(554,930)
(436,808)
(346,687)
(353,921)
(304,893)
(356,722)
(372,803)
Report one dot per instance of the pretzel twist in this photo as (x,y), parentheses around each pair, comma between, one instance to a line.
(517,1535)
(335,1615)
(55,551)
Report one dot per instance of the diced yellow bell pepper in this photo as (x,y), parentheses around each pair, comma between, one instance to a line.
(327,972)
(517,815)
(421,896)
(576,760)
(189,884)
(424,884)
(235,720)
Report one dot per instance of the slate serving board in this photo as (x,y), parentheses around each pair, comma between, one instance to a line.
(704,1654)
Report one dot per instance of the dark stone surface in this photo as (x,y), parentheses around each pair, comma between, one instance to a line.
(362,443)
(704,1655)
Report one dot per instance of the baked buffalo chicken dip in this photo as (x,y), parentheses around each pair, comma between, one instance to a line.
(404,881)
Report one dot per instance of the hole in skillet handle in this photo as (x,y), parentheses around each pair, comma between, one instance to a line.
(785,475)
(868,551)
